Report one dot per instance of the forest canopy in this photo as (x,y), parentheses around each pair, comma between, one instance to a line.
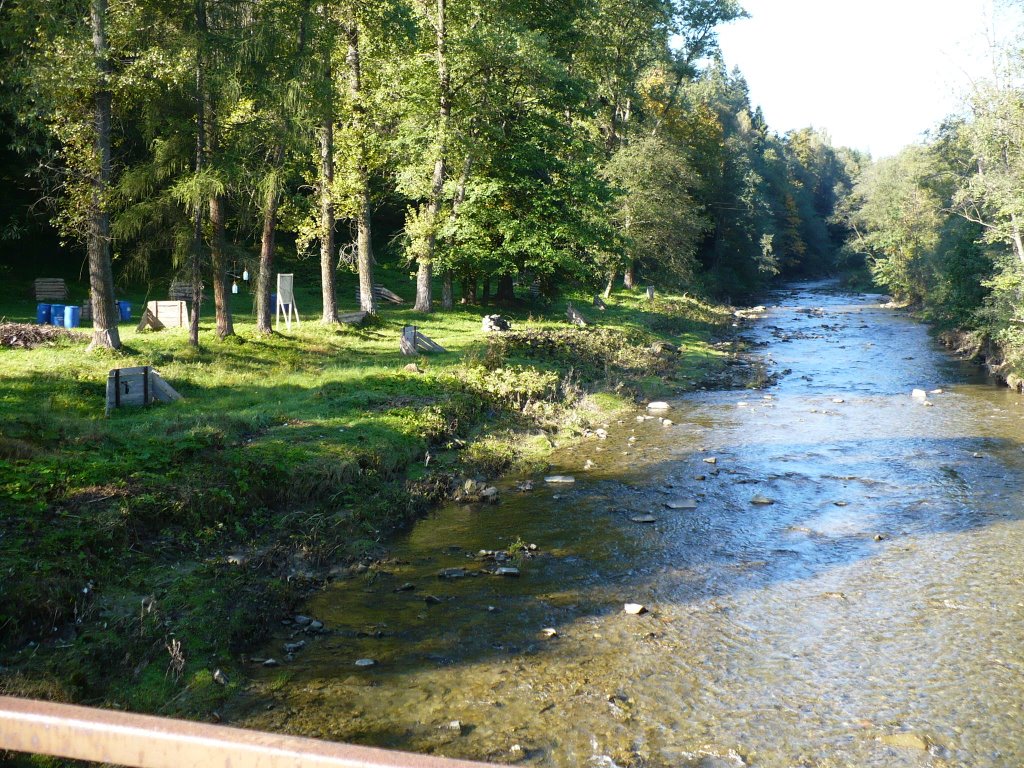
(511,142)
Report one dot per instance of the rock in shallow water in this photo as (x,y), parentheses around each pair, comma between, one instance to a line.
(559,479)
(682,504)
(634,609)
(644,519)
(906,740)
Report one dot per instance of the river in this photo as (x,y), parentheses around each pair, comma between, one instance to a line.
(843,585)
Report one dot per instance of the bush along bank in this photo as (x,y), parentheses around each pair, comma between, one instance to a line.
(145,552)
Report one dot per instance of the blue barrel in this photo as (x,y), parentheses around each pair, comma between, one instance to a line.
(57,314)
(124,309)
(42,313)
(72,315)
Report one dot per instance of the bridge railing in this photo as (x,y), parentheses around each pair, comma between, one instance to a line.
(143,741)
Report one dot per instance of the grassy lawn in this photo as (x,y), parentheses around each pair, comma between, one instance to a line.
(201,520)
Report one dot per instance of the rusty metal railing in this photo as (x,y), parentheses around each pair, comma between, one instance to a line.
(142,741)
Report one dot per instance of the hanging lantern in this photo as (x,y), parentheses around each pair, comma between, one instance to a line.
(245,275)
(234,286)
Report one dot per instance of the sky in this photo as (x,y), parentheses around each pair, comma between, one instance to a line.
(874,74)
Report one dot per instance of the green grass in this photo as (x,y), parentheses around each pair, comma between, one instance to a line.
(300,450)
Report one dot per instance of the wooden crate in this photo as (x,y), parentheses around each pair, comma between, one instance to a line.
(50,289)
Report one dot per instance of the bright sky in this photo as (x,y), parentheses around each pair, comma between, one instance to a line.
(875,74)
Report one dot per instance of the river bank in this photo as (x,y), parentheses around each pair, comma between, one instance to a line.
(146,552)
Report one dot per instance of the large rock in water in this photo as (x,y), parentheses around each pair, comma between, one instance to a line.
(658,405)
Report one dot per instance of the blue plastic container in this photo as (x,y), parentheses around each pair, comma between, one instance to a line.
(124,309)
(42,313)
(57,314)
(72,316)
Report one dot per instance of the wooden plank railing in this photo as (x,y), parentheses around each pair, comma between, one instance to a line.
(143,741)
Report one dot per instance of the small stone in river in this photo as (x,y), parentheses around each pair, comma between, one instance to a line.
(451,573)
(700,478)
(293,647)
(489,494)
(559,479)
(271,663)
(682,504)
(589,464)
(644,519)
(302,620)
(549,632)
(507,571)
(407,587)
(977,456)
(841,503)
(712,460)
(937,392)
(316,626)
(431,600)
(634,609)
(601,433)
(919,394)
(525,485)
(454,726)
(666,422)
(365,662)
(761,500)
(658,405)
(838,400)
(906,740)
(879,537)
(219,677)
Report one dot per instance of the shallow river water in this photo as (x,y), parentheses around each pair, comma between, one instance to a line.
(871,615)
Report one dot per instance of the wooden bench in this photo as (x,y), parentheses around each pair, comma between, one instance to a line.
(50,289)
(381,293)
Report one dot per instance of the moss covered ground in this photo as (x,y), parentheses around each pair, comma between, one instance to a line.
(144,551)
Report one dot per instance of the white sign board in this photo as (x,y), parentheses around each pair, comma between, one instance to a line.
(286,301)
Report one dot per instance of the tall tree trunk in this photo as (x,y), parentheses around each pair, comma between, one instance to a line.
(364,231)
(1018,241)
(328,264)
(485,296)
(271,201)
(611,284)
(629,277)
(101,276)
(506,290)
(218,264)
(196,259)
(425,253)
(447,290)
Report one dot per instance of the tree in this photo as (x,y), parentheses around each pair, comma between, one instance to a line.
(655,210)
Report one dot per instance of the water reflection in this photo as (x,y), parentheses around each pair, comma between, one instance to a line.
(846,590)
